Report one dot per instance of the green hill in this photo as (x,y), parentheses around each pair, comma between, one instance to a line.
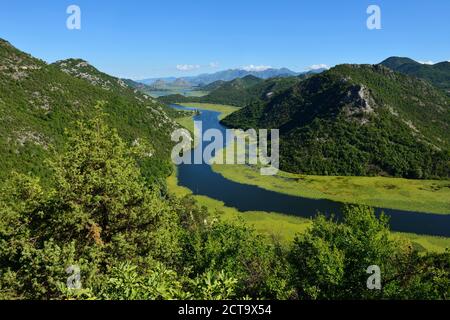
(396,62)
(232,92)
(438,74)
(213,85)
(39,100)
(137,85)
(357,120)
(238,92)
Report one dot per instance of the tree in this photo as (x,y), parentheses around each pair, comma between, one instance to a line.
(98,211)
(331,259)
(257,264)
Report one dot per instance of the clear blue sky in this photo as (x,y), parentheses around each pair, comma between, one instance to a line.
(149,38)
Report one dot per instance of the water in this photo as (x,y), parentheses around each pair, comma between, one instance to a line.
(202,180)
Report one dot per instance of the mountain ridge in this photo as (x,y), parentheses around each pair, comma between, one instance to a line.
(38,101)
(238,92)
(357,120)
(438,74)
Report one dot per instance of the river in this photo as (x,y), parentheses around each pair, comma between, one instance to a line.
(202,180)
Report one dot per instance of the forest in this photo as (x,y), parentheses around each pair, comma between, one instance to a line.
(127,238)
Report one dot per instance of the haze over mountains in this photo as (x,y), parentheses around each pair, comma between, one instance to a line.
(438,74)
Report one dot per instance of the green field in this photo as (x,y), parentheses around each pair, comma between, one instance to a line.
(225,110)
(187,123)
(432,196)
(285,227)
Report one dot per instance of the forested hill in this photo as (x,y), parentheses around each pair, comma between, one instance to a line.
(358,120)
(438,74)
(39,100)
(238,92)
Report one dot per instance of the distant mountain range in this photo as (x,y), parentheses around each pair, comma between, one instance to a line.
(226,75)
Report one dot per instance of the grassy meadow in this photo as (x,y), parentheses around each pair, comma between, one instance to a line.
(432,196)
(187,123)
(285,227)
(224,110)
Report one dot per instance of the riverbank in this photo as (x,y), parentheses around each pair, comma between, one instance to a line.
(430,196)
(285,227)
(188,123)
(280,226)
(427,196)
(224,110)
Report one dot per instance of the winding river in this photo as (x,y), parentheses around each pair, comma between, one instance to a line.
(202,180)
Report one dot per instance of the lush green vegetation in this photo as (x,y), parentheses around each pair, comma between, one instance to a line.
(187,123)
(238,92)
(189,93)
(438,74)
(404,194)
(233,92)
(270,224)
(85,190)
(357,120)
(38,101)
(283,227)
(224,110)
(131,242)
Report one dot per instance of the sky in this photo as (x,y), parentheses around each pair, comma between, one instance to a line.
(147,38)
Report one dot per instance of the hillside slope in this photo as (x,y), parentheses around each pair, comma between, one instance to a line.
(357,120)
(238,92)
(438,74)
(38,101)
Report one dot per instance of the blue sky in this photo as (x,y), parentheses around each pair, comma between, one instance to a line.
(148,38)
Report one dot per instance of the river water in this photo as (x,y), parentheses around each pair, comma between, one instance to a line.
(202,180)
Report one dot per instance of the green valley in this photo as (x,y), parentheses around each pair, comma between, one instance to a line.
(93,207)
(403,194)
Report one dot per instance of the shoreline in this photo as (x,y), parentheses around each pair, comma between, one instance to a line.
(284,226)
